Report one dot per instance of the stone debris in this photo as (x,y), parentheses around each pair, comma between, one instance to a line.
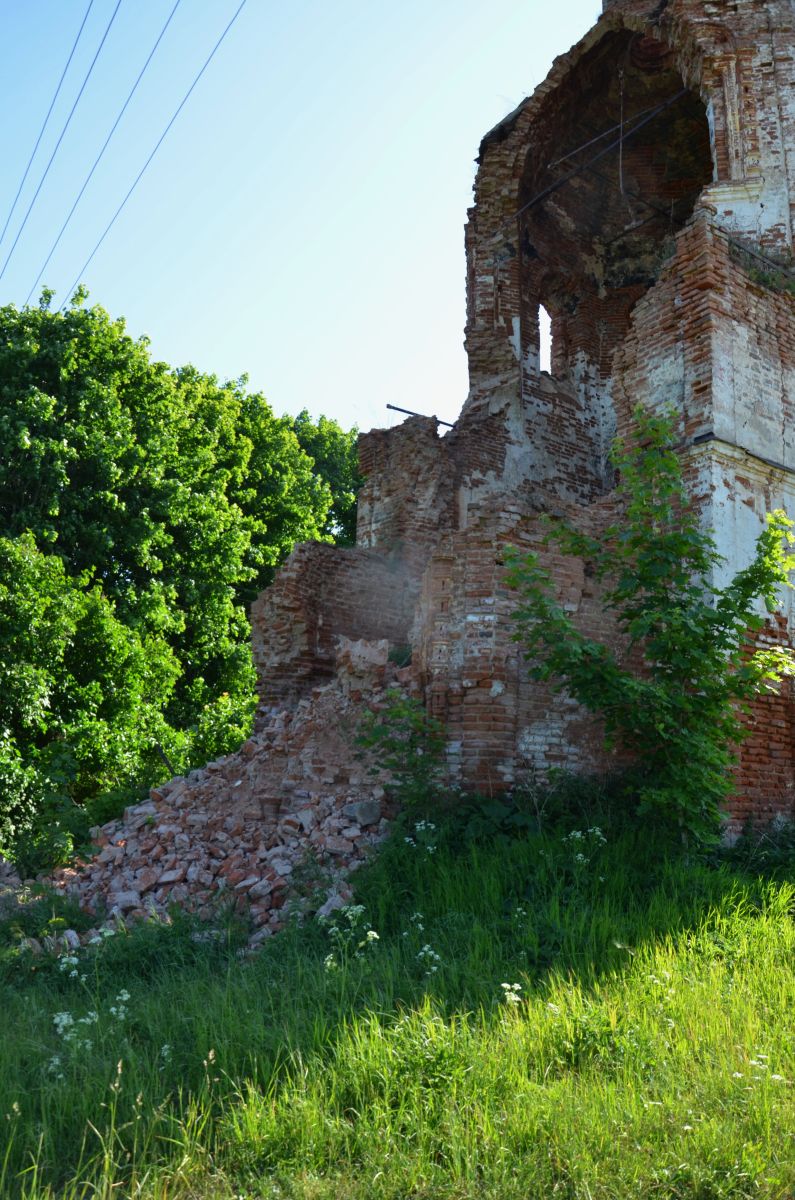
(278,825)
(254,870)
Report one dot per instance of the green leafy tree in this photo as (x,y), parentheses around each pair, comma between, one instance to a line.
(336,460)
(81,694)
(676,696)
(147,506)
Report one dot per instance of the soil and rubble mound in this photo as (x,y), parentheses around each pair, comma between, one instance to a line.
(279,824)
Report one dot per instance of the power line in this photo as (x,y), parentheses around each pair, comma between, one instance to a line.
(97,160)
(46,119)
(158,144)
(60,139)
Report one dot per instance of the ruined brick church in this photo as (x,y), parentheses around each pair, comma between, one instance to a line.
(644,196)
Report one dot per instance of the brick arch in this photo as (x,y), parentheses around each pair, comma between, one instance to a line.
(500,269)
(590,249)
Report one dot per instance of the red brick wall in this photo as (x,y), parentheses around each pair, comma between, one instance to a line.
(323,592)
(766,770)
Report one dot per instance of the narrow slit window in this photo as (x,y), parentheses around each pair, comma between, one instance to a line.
(544,340)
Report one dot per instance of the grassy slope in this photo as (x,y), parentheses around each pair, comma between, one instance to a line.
(651,1052)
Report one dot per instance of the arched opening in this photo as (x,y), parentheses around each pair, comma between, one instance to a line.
(618,155)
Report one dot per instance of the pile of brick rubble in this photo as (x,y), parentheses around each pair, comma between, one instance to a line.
(281,822)
(165,851)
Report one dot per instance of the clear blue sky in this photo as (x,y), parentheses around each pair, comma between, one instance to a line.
(303,221)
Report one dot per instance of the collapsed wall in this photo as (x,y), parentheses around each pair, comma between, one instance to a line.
(643,197)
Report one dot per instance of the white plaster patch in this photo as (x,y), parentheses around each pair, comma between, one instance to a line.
(665,375)
(740,490)
(516,338)
(525,744)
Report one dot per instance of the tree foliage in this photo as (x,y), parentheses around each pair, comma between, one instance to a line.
(81,694)
(676,695)
(333,451)
(141,509)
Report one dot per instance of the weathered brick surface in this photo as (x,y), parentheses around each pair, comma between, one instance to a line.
(323,594)
(644,195)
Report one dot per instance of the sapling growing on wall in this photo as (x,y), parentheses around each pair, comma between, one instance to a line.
(408,742)
(676,694)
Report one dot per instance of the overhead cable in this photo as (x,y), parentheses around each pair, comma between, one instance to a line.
(158,144)
(46,119)
(98,159)
(60,139)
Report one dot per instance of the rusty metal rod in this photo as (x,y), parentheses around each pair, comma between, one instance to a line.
(409,413)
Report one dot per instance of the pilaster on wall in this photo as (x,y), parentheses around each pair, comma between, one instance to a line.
(749,74)
(666,360)
(714,340)
(492,336)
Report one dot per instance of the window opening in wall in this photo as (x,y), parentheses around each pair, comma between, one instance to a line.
(600,210)
(544,340)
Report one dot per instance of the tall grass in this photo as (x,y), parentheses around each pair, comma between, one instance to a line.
(543,1015)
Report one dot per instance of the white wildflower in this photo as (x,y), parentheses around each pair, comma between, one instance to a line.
(429,959)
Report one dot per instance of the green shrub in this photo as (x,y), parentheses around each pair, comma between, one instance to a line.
(680,710)
(409,743)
